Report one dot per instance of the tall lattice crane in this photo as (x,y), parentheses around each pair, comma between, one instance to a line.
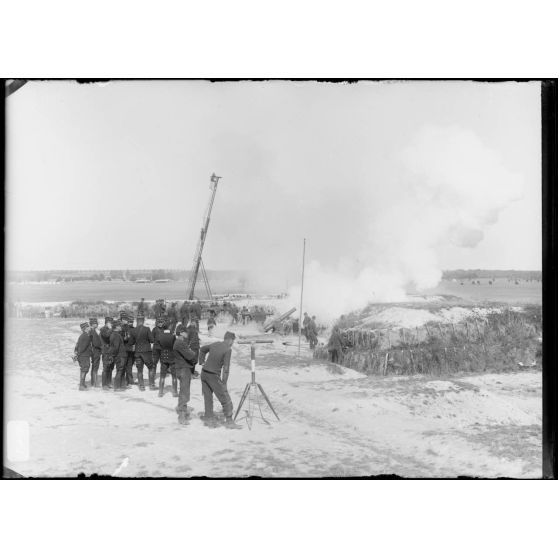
(198,263)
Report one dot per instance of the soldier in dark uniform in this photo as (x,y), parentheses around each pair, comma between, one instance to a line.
(214,377)
(141,306)
(185,313)
(129,337)
(143,353)
(96,351)
(194,344)
(185,360)
(104,335)
(196,312)
(82,353)
(312,332)
(172,314)
(211,322)
(117,356)
(159,309)
(305,323)
(157,331)
(166,340)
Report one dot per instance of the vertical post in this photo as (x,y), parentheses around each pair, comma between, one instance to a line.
(301,295)
(253,362)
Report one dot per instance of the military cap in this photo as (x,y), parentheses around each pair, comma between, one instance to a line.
(108,319)
(179,329)
(93,321)
(160,321)
(117,323)
(84,326)
(140,316)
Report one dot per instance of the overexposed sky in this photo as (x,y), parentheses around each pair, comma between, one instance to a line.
(116,175)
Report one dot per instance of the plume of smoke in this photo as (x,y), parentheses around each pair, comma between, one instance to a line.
(448,187)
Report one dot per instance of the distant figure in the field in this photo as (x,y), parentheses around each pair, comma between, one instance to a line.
(196,311)
(63,313)
(305,323)
(159,308)
(173,317)
(82,353)
(185,312)
(211,322)
(335,344)
(312,332)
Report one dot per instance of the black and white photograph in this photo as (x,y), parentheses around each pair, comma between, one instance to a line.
(273,278)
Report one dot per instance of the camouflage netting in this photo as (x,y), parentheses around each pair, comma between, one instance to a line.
(496,341)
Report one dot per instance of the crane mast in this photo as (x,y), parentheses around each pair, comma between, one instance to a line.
(197,264)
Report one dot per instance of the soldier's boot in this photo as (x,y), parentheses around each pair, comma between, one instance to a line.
(140,380)
(174,386)
(93,379)
(151,376)
(161,386)
(82,385)
(229,423)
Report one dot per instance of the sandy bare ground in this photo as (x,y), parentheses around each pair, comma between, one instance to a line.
(334,421)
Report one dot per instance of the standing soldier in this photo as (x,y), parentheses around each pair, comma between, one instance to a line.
(104,334)
(82,353)
(211,323)
(185,360)
(96,350)
(157,331)
(160,309)
(143,353)
(312,332)
(196,311)
(185,313)
(166,340)
(117,356)
(305,323)
(194,344)
(214,376)
(141,307)
(173,317)
(129,338)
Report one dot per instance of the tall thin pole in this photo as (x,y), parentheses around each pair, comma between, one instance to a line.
(301,295)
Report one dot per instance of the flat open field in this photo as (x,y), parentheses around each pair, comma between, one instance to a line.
(109,290)
(500,291)
(334,421)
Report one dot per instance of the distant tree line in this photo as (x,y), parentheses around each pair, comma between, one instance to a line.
(492,274)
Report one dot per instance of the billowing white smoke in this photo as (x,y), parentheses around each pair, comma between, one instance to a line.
(449,188)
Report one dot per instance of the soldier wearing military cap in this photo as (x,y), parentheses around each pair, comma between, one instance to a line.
(129,337)
(96,350)
(82,353)
(185,360)
(166,341)
(215,360)
(117,356)
(108,367)
(143,354)
(185,313)
(172,314)
(157,331)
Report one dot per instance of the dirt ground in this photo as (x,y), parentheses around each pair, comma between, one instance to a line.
(334,421)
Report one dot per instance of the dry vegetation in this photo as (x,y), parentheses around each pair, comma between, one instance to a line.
(495,341)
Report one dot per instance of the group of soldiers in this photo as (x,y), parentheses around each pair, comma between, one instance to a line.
(310,330)
(175,345)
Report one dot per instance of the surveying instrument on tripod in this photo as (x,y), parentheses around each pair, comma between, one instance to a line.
(253,389)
